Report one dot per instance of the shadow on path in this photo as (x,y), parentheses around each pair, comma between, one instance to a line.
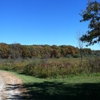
(58,91)
(13,92)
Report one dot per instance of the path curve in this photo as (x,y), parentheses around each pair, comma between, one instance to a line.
(9,86)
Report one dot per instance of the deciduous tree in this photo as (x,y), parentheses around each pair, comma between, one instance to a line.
(92,14)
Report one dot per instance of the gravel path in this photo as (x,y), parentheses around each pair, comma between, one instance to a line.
(9,86)
(2,85)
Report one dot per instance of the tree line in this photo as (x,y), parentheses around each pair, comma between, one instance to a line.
(16,50)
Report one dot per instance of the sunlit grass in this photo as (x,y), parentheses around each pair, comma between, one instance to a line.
(69,87)
(68,79)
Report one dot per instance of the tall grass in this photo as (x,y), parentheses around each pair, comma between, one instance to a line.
(44,68)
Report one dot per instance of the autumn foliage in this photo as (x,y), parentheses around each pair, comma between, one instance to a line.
(15,51)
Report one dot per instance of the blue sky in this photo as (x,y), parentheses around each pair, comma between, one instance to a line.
(42,22)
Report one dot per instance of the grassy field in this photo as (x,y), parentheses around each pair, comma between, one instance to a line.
(57,79)
(46,68)
(71,87)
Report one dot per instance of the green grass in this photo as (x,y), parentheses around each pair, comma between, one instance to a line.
(80,78)
(71,87)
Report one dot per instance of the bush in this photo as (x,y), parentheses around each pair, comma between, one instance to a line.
(76,56)
(51,68)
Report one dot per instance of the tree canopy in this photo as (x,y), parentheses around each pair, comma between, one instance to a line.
(16,51)
(91,14)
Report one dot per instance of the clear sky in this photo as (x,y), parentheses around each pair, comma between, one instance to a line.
(42,22)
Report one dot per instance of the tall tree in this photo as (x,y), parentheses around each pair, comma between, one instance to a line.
(92,14)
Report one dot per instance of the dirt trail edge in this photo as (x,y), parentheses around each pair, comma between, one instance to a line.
(9,86)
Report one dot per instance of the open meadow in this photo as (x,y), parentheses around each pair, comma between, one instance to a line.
(57,79)
(54,56)
(52,67)
(70,87)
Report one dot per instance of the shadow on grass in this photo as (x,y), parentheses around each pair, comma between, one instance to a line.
(61,91)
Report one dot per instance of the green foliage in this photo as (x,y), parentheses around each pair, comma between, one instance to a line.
(52,67)
(71,87)
(40,67)
(92,65)
(92,14)
(76,56)
(47,69)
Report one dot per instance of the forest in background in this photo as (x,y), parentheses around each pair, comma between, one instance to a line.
(15,51)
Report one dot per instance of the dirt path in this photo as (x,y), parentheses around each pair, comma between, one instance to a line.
(9,86)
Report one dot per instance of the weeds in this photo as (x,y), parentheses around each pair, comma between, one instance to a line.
(51,68)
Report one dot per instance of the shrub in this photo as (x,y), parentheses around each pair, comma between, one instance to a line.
(76,56)
(51,68)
